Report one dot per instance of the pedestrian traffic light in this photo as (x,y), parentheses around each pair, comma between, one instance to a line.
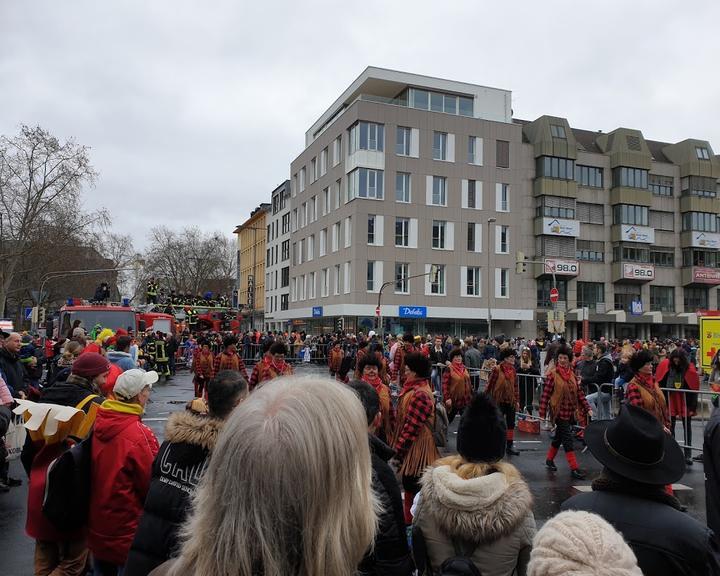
(41,315)
(339,324)
(520,264)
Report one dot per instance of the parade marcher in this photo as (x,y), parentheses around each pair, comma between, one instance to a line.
(369,368)
(407,347)
(678,373)
(643,391)
(527,370)
(456,389)
(503,388)
(335,358)
(639,459)
(581,544)
(306,521)
(229,359)
(183,457)
(202,366)
(413,440)
(563,397)
(271,366)
(123,449)
(474,503)
(390,555)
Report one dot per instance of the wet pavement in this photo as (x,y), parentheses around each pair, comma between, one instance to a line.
(549,489)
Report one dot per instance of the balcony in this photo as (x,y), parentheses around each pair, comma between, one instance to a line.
(557,227)
(696,239)
(690,203)
(555,187)
(632,272)
(700,276)
(636,196)
(632,233)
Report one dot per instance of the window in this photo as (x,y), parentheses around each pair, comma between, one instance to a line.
(630,253)
(437,102)
(591,294)
(544,285)
(335,236)
(284,301)
(302,179)
(590,250)
(326,201)
(294,219)
(475,150)
(556,207)
(314,169)
(285,277)
(303,215)
(502,154)
(402,271)
(474,237)
(502,197)
(502,280)
(348,232)
(554,167)
(371,229)
(589,176)
(286,223)
(293,289)
(336,195)
(370,276)
(664,257)
(502,235)
(365,183)
(402,232)
(311,286)
(440,146)
(336,278)
(695,299)
(708,259)
(311,247)
(556,246)
(337,150)
(323,242)
(590,213)
(557,131)
(323,161)
(439,191)
(630,214)
(300,251)
(437,284)
(347,278)
(699,186)
(324,282)
(660,185)
(438,234)
(662,298)
(367,136)
(473,195)
(472,281)
(700,221)
(285,250)
(402,141)
(402,187)
(702,153)
(630,177)
(662,220)
(625,295)
(313,209)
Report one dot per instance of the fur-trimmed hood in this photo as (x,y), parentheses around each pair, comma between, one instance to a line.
(191,428)
(483,508)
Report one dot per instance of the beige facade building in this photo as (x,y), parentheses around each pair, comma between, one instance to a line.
(252,236)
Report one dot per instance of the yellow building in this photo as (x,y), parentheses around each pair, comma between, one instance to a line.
(252,235)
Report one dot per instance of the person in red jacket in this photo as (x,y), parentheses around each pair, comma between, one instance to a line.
(123,450)
(229,359)
(271,366)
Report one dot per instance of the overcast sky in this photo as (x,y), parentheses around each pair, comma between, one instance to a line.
(195,109)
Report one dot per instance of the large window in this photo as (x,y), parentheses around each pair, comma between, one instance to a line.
(402,143)
(472,197)
(590,250)
(439,191)
(695,299)
(402,271)
(704,258)
(699,186)
(402,232)
(502,154)
(285,277)
(544,285)
(628,253)
(503,245)
(323,243)
(556,207)
(702,153)
(661,220)
(557,131)
(371,275)
(590,176)
(502,198)
(285,250)
(662,298)
(554,167)
(630,177)
(630,214)
(503,285)
(365,183)
(590,294)
(438,102)
(440,146)
(590,213)
(402,187)
(472,281)
(372,219)
(284,301)
(472,239)
(663,257)
(439,229)
(475,150)
(555,246)
(660,185)
(367,136)
(625,295)
(437,284)
(700,221)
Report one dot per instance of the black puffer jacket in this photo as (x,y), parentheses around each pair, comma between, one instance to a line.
(176,472)
(391,555)
(13,370)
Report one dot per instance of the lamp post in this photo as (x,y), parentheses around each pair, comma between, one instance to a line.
(489,281)
(434,270)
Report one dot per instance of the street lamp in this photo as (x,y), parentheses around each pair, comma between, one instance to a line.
(434,272)
(489,307)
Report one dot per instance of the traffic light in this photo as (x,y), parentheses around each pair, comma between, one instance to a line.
(339,324)
(41,315)
(520,264)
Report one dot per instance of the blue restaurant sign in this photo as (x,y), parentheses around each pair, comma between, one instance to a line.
(413,312)
(317,311)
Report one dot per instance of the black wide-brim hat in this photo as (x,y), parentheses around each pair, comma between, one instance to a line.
(635,446)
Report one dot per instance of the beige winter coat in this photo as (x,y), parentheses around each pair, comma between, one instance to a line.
(492,509)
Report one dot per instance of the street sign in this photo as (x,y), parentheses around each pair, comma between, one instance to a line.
(554,295)
(27,313)
(317,311)
(377,311)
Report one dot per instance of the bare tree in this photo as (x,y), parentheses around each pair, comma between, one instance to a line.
(41,180)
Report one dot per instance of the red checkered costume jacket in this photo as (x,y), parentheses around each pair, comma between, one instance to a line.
(420,410)
(569,405)
(233,361)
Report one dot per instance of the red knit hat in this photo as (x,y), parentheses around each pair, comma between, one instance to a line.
(90,364)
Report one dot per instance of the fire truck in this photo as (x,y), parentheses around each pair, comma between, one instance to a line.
(112,315)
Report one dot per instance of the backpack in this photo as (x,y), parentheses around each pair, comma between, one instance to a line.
(460,564)
(440,427)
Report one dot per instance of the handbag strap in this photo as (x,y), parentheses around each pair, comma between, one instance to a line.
(85,401)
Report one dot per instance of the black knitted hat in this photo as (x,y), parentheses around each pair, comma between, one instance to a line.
(505,352)
(481,435)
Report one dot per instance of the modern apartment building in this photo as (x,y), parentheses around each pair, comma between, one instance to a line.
(277,257)
(251,266)
(402,175)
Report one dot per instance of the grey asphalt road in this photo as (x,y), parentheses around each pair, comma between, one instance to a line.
(549,489)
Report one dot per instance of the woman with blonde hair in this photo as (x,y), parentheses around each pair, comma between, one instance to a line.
(288,488)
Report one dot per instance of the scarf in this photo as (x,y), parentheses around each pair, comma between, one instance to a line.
(374,382)
(458,368)
(509,371)
(564,372)
(646,380)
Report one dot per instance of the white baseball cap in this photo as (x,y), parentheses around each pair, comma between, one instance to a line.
(131,382)
(371,333)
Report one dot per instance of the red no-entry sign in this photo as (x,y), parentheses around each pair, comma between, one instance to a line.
(377,311)
(554,295)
